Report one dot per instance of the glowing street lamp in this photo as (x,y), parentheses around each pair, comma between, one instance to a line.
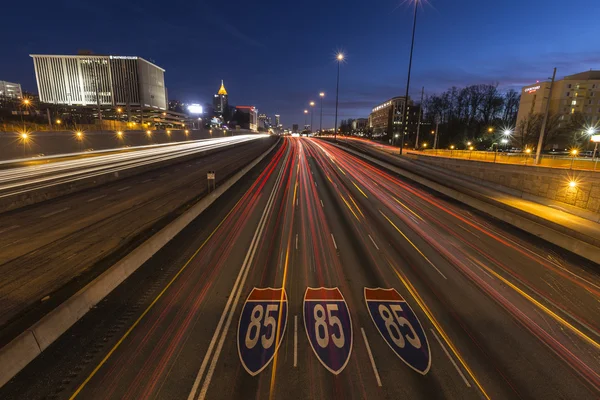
(24,136)
(321,95)
(312,105)
(148,132)
(574,153)
(572,184)
(340,58)
(469,143)
(119,133)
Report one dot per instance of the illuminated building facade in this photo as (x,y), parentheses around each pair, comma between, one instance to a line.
(90,80)
(579,93)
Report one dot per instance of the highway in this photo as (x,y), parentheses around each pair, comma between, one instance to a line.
(22,179)
(325,277)
(51,249)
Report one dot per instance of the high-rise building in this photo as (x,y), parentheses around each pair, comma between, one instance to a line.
(579,93)
(10,90)
(100,80)
(221,102)
(392,111)
(277,120)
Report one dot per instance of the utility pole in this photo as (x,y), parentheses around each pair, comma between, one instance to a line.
(419,121)
(538,151)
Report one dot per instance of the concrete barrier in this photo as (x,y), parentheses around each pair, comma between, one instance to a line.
(556,234)
(29,344)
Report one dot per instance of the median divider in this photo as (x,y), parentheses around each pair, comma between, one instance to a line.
(556,234)
(29,344)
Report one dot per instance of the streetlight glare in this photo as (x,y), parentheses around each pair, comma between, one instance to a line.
(572,184)
(305,111)
(340,56)
(312,103)
(507,132)
(24,136)
(322,94)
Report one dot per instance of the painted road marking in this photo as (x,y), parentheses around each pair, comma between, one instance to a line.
(328,327)
(413,245)
(451,359)
(10,228)
(147,180)
(322,205)
(96,198)
(296,241)
(371,357)
(295,340)
(56,212)
(334,243)
(261,328)
(399,327)
(123,189)
(374,244)
(220,334)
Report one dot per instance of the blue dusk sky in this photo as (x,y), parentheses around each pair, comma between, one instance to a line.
(278,55)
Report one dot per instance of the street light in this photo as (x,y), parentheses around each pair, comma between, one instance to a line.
(79,135)
(574,153)
(321,95)
(119,133)
(340,58)
(148,133)
(305,114)
(490,129)
(469,143)
(24,136)
(312,104)
(412,46)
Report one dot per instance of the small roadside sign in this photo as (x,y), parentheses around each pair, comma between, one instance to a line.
(328,327)
(399,327)
(261,328)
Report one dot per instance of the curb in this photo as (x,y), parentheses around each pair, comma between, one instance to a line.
(565,241)
(29,344)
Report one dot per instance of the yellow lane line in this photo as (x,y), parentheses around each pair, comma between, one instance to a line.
(545,309)
(341,170)
(439,328)
(349,208)
(412,244)
(356,205)
(408,209)
(136,323)
(359,189)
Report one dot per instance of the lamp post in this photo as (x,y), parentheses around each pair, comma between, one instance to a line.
(321,95)
(305,114)
(312,105)
(340,58)
(25,103)
(412,46)
(574,153)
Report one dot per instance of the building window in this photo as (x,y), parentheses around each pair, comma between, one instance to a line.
(574,102)
(569,86)
(568,93)
(589,110)
(590,101)
(572,111)
(592,94)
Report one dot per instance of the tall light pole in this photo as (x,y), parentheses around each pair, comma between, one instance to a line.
(340,58)
(412,45)
(312,105)
(321,95)
(305,113)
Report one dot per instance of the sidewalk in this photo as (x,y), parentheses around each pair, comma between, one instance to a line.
(544,212)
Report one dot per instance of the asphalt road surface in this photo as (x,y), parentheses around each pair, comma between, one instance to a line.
(50,250)
(389,292)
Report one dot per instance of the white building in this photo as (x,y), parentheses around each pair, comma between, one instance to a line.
(100,80)
(10,90)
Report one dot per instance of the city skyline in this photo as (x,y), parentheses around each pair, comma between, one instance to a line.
(507,44)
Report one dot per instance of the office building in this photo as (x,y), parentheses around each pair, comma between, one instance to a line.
(250,120)
(360,124)
(10,90)
(221,102)
(277,120)
(390,111)
(579,93)
(93,80)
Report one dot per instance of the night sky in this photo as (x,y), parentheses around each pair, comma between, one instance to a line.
(277,55)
